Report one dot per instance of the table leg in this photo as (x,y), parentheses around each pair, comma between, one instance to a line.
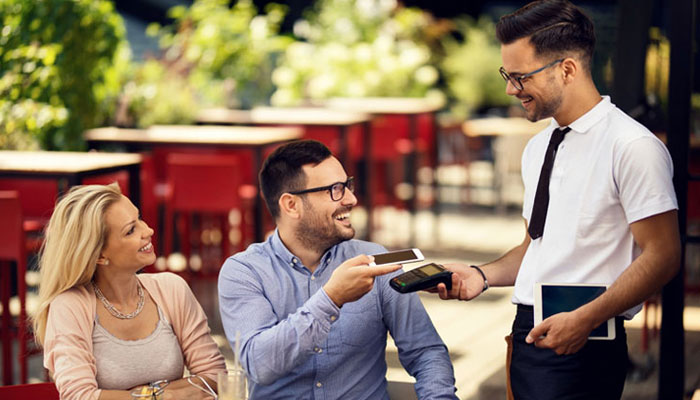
(367,180)
(413,176)
(259,230)
(135,184)
(6,329)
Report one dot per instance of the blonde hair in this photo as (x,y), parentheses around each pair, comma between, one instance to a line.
(74,238)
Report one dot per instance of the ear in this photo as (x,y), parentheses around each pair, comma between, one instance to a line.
(290,205)
(570,67)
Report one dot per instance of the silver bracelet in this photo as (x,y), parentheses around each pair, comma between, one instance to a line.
(208,390)
(483,275)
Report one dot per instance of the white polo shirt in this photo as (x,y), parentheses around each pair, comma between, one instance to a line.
(609,171)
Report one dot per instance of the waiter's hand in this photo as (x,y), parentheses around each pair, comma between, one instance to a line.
(565,333)
(467,283)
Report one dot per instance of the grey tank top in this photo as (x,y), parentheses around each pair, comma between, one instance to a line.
(123,364)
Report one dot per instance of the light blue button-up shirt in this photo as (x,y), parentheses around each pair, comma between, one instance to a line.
(297,344)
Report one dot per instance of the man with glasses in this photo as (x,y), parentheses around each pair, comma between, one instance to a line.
(312,315)
(599,208)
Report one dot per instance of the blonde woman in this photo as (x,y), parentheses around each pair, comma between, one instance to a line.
(106,330)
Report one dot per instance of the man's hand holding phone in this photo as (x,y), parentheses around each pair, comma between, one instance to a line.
(354,278)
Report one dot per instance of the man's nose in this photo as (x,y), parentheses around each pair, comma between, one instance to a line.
(511,90)
(349,198)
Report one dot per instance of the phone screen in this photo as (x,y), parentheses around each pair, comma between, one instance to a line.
(395,257)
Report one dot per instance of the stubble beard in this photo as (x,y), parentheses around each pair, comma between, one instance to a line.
(315,233)
(548,104)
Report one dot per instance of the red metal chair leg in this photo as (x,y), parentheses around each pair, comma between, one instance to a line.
(22,322)
(5,288)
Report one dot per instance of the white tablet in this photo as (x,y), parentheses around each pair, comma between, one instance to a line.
(553,298)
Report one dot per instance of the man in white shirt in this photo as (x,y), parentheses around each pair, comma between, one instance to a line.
(599,207)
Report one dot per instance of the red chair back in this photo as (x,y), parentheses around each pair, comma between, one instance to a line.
(11,234)
(121,177)
(43,391)
(38,199)
(203,182)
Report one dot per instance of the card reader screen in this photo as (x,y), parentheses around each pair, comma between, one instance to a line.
(431,269)
(394,257)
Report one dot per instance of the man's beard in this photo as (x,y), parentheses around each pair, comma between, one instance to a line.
(316,233)
(549,103)
(544,109)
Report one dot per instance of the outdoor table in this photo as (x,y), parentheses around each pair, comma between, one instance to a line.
(410,107)
(254,139)
(70,168)
(339,120)
(510,137)
(497,126)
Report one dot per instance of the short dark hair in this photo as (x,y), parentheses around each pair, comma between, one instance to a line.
(555,27)
(282,170)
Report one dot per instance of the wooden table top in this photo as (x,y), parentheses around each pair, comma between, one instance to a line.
(497,126)
(385,105)
(283,115)
(62,161)
(196,134)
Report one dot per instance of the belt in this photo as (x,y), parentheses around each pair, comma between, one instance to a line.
(524,308)
(529,309)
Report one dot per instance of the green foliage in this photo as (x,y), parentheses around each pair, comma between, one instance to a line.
(155,93)
(56,59)
(358,48)
(229,50)
(471,68)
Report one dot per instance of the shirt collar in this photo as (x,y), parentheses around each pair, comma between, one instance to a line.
(282,252)
(585,122)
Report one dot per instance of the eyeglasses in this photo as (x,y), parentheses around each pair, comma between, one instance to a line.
(517,81)
(337,190)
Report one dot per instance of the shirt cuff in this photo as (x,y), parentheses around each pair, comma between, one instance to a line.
(323,308)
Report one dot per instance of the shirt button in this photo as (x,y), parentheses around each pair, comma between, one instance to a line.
(319,384)
(318,350)
(313,278)
(333,317)
(294,260)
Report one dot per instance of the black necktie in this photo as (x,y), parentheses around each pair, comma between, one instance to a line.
(539,208)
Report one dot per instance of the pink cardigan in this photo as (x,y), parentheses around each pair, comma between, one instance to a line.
(68,352)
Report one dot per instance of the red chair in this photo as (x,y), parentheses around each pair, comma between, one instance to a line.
(207,185)
(12,249)
(121,177)
(43,391)
(38,199)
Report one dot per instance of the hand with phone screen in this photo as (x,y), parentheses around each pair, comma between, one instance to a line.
(354,278)
(397,257)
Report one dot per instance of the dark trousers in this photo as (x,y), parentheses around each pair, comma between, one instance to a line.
(596,372)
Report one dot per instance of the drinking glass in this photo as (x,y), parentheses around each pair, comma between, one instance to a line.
(232,385)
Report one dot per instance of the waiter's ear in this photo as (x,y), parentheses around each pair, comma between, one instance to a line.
(569,69)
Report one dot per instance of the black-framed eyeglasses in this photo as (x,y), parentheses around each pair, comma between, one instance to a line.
(337,190)
(517,81)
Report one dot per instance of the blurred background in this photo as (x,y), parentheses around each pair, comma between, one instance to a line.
(406,93)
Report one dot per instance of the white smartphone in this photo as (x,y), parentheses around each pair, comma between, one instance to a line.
(553,298)
(397,257)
